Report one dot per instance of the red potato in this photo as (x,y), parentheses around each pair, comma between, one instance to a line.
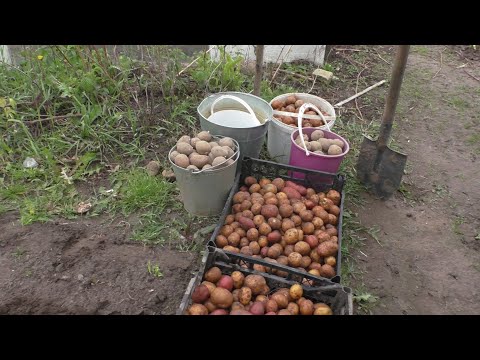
(225,282)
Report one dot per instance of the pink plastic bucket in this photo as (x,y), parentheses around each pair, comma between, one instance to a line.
(303,158)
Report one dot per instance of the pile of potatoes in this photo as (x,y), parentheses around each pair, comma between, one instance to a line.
(237,294)
(284,223)
(203,152)
(318,144)
(291,104)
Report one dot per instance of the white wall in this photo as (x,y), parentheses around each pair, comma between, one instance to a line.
(275,53)
(5,54)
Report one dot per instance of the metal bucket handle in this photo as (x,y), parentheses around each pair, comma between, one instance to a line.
(300,115)
(249,109)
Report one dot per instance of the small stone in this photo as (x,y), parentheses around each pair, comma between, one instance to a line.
(65,277)
(80,277)
(30,163)
(83,207)
(169,175)
(59,268)
(153,168)
(409,215)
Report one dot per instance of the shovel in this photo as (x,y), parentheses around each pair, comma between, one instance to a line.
(379,167)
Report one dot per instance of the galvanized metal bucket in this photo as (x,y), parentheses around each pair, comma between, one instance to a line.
(250,138)
(205,192)
(278,142)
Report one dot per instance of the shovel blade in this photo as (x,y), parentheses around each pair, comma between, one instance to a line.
(380,171)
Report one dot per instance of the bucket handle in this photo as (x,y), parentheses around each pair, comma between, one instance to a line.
(301,111)
(249,109)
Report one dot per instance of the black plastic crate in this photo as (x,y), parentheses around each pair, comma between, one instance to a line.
(320,181)
(338,297)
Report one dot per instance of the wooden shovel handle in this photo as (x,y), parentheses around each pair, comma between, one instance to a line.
(393,93)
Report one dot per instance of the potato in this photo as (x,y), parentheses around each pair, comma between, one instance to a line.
(293,308)
(255,247)
(338,142)
(184,139)
(271,306)
(323,311)
(199,160)
(332,231)
(218,161)
(276,104)
(243,242)
(327,271)
(317,134)
(274,237)
(302,248)
(308,228)
(327,248)
(294,259)
(193,141)
(205,136)
(306,261)
(257,308)
(315,145)
(202,147)
(240,312)
(285,211)
(306,307)
(254,188)
(274,223)
(335,196)
(291,193)
(219,312)
(192,167)
(213,274)
(197,309)
(173,155)
(218,151)
(296,292)
(182,161)
(291,236)
(306,215)
(211,286)
(269,211)
(226,141)
(274,252)
(291,99)
(245,295)
(225,282)
(325,143)
(229,151)
(297,220)
(246,223)
(250,180)
(314,272)
(256,283)
(332,219)
(221,298)
(246,251)
(200,294)
(299,207)
(281,299)
(221,241)
(330,260)
(184,148)
(231,249)
(334,150)
(210,306)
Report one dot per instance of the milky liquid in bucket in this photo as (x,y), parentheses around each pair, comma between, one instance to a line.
(234,119)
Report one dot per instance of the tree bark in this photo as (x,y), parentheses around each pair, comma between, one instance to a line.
(258,69)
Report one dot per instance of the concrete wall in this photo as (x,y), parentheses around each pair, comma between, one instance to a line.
(5,54)
(275,53)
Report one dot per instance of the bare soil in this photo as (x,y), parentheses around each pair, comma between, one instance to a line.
(86,267)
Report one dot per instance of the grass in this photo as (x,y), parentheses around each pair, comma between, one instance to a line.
(154,270)
(18,253)
(457,222)
(140,191)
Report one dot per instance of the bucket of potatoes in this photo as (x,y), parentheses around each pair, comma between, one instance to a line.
(204,167)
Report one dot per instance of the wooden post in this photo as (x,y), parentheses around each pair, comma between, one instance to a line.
(258,69)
